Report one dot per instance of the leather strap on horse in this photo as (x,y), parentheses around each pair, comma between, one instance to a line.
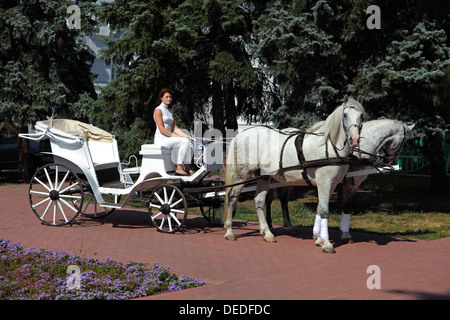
(303,164)
(301,157)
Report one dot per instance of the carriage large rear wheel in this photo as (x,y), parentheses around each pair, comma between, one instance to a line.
(168,208)
(56,194)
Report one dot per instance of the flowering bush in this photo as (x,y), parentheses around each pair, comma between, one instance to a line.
(40,274)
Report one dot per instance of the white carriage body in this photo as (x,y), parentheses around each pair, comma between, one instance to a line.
(94,153)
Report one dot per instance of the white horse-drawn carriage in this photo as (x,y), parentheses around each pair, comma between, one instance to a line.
(88,177)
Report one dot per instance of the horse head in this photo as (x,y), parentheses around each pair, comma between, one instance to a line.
(352,119)
(396,142)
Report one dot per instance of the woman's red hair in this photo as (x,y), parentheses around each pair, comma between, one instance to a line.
(162,93)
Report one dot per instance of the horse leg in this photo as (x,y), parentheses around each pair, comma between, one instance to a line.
(232,197)
(348,192)
(323,212)
(316,231)
(284,195)
(262,186)
(269,199)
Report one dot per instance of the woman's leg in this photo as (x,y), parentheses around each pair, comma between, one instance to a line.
(185,155)
(184,151)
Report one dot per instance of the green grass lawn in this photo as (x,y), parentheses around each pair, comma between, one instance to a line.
(400,206)
(395,205)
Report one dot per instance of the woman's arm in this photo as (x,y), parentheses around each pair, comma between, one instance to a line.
(178,131)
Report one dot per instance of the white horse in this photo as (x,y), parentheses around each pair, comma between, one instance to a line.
(374,135)
(262,151)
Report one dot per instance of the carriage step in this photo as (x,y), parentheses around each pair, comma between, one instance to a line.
(110,205)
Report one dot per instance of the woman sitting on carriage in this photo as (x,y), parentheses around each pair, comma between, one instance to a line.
(169,135)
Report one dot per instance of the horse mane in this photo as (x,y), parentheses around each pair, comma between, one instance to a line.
(331,126)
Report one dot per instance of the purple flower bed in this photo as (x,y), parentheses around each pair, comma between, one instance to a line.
(40,274)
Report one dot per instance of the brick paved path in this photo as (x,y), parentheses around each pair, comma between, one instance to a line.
(292,268)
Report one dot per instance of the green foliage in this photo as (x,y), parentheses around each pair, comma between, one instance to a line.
(290,61)
(43,69)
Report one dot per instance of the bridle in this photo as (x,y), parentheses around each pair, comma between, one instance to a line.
(387,159)
(346,130)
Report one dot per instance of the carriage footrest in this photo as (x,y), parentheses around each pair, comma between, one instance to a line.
(110,205)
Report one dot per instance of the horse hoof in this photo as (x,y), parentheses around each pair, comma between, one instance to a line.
(319,241)
(232,238)
(270,239)
(346,238)
(328,249)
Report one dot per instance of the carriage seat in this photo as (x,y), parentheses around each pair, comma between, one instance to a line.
(156,158)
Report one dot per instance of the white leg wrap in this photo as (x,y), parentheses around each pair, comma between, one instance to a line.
(324,229)
(316,229)
(345,222)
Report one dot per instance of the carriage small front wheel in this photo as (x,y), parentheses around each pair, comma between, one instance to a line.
(168,208)
(56,194)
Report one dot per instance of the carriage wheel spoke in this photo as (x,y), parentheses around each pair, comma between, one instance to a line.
(175,218)
(162,222)
(156,215)
(177,211)
(42,184)
(39,203)
(56,177)
(87,203)
(171,197)
(63,181)
(159,198)
(46,209)
(68,205)
(69,187)
(62,211)
(39,192)
(177,202)
(165,195)
(48,178)
(169,221)
(54,212)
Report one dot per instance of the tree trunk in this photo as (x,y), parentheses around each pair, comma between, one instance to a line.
(230,107)
(217,107)
(25,171)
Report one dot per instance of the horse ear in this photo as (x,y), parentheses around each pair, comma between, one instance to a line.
(359,99)
(345,98)
(411,127)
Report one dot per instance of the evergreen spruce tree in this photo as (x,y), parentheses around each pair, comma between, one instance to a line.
(404,86)
(197,48)
(43,70)
(298,47)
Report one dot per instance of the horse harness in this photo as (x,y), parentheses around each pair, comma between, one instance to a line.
(303,164)
(328,161)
